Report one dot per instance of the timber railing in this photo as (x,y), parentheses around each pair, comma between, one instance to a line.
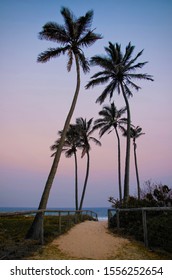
(144,210)
(76,215)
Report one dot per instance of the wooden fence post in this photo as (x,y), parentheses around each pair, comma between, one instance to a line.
(117,218)
(145,228)
(109,216)
(42,229)
(60,225)
(69,222)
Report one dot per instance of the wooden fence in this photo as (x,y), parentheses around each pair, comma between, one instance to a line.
(144,217)
(59,213)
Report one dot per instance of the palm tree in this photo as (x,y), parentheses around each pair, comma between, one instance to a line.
(119,71)
(85,130)
(70,148)
(135,132)
(111,120)
(72,37)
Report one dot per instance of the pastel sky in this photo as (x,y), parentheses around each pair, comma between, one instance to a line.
(35,98)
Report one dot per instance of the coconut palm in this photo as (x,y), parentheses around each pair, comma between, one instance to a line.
(119,71)
(75,34)
(85,130)
(135,132)
(70,148)
(111,120)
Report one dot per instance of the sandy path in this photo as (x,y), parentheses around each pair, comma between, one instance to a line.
(90,240)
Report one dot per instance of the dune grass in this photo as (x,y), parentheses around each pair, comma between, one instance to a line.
(13,244)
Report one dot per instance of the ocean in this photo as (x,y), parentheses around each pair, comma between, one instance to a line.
(102,212)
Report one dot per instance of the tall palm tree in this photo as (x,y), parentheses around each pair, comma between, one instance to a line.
(70,148)
(119,71)
(75,34)
(135,132)
(111,120)
(85,130)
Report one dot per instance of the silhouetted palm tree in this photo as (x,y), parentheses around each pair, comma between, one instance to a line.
(85,130)
(119,71)
(72,37)
(135,132)
(111,120)
(70,148)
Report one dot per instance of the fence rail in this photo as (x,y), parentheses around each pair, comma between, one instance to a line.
(59,214)
(144,217)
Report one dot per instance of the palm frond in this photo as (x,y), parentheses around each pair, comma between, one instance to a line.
(102,61)
(107,91)
(54,32)
(134,59)
(102,126)
(89,39)
(128,53)
(84,22)
(99,81)
(133,85)
(122,111)
(102,73)
(88,124)
(135,66)
(141,76)
(70,21)
(127,91)
(97,142)
(69,153)
(83,62)
(105,129)
(51,53)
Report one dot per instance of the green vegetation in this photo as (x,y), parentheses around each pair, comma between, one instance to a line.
(159,223)
(13,231)
(159,227)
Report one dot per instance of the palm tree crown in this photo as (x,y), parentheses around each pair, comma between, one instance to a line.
(135,132)
(85,130)
(111,119)
(117,69)
(70,144)
(72,37)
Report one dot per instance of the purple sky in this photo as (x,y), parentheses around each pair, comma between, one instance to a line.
(35,99)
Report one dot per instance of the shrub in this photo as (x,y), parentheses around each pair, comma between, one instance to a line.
(159,223)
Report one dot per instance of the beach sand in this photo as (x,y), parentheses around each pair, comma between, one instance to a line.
(90,240)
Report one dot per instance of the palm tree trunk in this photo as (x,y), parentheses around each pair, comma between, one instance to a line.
(127,158)
(86,179)
(119,165)
(137,173)
(76,182)
(35,229)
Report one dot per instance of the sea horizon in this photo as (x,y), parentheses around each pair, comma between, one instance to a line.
(102,212)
